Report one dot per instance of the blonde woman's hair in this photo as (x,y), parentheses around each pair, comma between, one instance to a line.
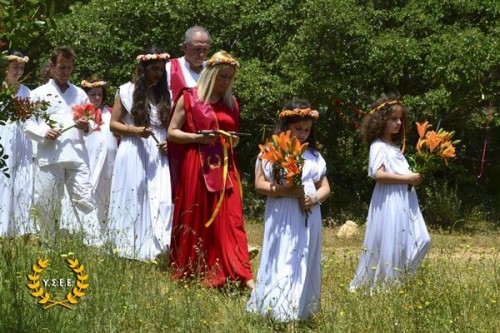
(220,61)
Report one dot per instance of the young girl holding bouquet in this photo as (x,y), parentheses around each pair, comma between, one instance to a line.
(396,238)
(289,277)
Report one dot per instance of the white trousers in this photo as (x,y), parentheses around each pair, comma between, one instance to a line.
(49,191)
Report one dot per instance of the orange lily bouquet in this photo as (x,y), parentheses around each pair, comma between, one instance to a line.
(86,111)
(285,154)
(432,145)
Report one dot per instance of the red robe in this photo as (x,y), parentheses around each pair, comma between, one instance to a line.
(219,252)
(177,81)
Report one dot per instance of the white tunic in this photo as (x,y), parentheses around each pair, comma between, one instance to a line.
(70,146)
(289,277)
(396,238)
(140,212)
(16,192)
(62,165)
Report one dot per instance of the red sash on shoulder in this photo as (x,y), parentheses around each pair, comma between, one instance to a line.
(177,81)
(203,117)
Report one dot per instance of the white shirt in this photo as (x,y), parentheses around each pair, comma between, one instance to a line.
(70,146)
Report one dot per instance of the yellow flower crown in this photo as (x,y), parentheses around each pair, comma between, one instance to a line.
(154,56)
(308,112)
(24,59)
(391,102)
(94,84)
(220,61)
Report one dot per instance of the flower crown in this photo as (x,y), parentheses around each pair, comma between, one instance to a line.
(308,112)
(220,61)
(153,56)
(12,57)
(94,84)
(391,102)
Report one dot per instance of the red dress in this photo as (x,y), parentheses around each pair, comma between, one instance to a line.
(219,252)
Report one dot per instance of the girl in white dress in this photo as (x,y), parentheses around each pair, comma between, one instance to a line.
(141,201)
(101,146)
(16,192)
(289,277)
(396,238)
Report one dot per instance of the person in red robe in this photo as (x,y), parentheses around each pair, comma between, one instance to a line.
(208,238)
(184,72)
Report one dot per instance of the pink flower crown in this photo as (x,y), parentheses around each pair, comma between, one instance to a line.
(153,56)
(308,112)
(220,61)
(94,84)
(12,57)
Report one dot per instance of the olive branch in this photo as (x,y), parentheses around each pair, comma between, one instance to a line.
(35,284)
(74,294)
(78,290)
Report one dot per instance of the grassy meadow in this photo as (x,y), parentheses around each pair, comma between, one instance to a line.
(457,289)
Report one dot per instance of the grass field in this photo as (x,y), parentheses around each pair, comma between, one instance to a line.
(457,289)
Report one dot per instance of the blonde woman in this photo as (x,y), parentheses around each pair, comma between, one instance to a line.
(208,235)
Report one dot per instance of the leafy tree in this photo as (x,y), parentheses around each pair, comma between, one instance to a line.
(442,57)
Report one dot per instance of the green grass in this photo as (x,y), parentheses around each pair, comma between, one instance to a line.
(457,289)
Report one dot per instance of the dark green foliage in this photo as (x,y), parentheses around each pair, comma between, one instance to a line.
(442,57)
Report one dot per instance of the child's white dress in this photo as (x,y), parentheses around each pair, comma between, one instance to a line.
(289,277)
(396,238)
(102,146)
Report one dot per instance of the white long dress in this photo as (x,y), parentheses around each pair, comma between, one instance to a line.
(16,192)
(102,146)
(396,238)
(140,212)
(288,283)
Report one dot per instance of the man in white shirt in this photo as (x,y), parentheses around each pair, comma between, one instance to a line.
(184,72)
(62,156)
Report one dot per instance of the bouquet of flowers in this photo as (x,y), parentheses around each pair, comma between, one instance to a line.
(88,112)
(13,109)
(285,154)
(431,147)
(17,108)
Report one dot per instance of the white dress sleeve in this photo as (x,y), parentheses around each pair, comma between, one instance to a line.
(378,155)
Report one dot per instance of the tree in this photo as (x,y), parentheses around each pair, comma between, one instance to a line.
(440,56)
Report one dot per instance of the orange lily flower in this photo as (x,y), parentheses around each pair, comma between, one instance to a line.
(282,139)
(419,146)
(270,153)
(292,168)
(447,151)
(433,140)
(422,128)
